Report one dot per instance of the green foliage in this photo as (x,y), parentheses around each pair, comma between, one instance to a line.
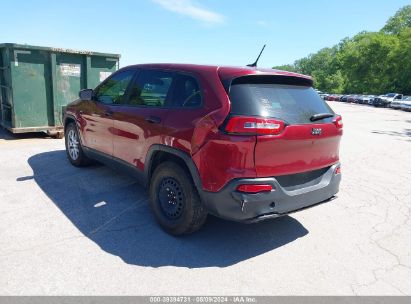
(400,21)
(286,67)
(401,58)
(368,63)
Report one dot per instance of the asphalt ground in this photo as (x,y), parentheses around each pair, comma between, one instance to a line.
(89,231)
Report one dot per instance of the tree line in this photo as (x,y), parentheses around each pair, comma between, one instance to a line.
(368,63)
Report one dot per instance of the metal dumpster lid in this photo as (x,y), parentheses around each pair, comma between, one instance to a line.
(58,50)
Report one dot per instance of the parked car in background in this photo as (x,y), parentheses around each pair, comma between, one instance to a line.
(351,98)
(406,104)
(173,125)
(324,96)
(396,102)
(387,99)
(371,99)
(360,99)
(380,101)
(365,99)
(344,98)
(334,97)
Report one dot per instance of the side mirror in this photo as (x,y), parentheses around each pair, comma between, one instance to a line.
(86,94)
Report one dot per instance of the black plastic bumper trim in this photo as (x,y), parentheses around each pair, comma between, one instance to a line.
(233,205)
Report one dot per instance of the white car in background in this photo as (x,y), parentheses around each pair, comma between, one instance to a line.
(396,101)
(406,104)
(387,99)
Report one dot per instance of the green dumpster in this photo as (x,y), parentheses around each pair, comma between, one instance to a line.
(36,83)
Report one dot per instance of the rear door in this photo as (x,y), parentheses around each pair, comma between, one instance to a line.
(303,144)
(140,120)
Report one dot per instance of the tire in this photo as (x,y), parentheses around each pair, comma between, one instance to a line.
(175,201)
(74,149)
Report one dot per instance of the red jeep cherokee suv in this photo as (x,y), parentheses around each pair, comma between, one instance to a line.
(241,143)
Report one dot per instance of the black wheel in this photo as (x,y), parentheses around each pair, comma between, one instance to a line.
(74,150)
(175,201)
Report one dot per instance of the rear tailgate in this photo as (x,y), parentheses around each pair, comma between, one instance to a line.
(297,150)
(303,145)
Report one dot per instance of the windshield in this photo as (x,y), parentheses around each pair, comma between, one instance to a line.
(390,95)
(292,103)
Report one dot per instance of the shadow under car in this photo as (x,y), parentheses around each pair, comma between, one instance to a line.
(112,210)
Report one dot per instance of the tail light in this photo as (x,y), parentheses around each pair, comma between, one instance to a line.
(338,170)
(254,125)
(338,122)
(250,188)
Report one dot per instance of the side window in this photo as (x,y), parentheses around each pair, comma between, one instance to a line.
(186,92)
(112,91)
(151,88)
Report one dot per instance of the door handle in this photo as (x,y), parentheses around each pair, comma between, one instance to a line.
(153,119)
(108,113)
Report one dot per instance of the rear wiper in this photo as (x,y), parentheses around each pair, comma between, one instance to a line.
(321,116)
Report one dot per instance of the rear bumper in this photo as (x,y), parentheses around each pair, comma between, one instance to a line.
(233,205)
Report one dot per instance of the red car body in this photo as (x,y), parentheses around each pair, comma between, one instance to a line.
(216,157)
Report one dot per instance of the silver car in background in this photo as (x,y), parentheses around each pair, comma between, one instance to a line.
(396,103)
(406,104)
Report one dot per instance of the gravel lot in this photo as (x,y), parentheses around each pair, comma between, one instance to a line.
(89,231)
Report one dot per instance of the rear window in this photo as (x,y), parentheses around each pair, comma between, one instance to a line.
(293,104)
(186,92)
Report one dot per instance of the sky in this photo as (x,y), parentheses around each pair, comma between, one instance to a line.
(221,32)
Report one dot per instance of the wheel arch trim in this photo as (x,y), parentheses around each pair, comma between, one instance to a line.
(69,117)
(185,157)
